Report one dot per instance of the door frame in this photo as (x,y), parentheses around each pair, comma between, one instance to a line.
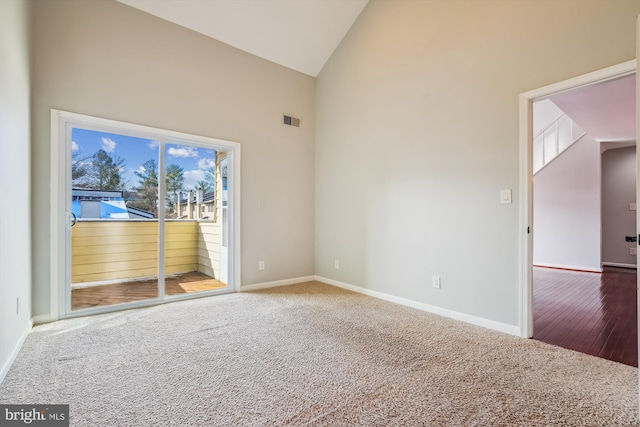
(526,176)
(60,179)
(637,63)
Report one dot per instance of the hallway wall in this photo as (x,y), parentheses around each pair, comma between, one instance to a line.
(618,191)
(566,209)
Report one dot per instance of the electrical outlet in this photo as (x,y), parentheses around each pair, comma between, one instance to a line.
(261,265)
(336,264)
(435,280)
(632,251)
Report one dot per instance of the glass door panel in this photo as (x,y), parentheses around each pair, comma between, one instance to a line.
(193,225)
(113,219)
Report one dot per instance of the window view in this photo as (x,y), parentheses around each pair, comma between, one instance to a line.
(117,202)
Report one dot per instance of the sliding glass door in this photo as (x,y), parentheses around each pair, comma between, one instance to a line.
(114,219)
(193,225)
(145,216)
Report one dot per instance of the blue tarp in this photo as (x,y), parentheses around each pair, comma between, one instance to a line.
(75,208)
(113,209)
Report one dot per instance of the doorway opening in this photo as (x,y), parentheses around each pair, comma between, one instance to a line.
(590,253)
(140,215)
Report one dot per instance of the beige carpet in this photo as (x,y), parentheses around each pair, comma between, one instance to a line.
(310,354)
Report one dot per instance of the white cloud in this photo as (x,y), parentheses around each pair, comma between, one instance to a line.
(205,163)
(74,146)
(182,152)
(108,144)
(153,145)
(141,169)
(192,177)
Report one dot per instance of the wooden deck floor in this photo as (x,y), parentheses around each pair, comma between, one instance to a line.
(588,312)
(102,295)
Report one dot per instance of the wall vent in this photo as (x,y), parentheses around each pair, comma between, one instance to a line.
(291,121)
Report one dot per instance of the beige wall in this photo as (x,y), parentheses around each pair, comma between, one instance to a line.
(106,59)
(15,207)
(417,132)
(618,191)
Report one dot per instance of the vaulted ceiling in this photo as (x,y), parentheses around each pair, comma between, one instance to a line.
(298,34)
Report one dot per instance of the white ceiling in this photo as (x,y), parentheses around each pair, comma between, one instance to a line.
(606,111)
(298,34)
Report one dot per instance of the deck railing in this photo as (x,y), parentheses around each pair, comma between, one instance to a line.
(108,250)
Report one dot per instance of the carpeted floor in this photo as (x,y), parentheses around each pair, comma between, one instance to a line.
(310,354)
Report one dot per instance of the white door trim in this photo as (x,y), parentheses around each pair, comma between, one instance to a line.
(60,169)
(526,176)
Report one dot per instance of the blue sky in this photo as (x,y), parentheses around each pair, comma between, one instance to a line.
(136,151)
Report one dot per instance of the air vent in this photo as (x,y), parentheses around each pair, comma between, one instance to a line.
(291,121)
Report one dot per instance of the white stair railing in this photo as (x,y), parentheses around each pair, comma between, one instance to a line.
(551,141)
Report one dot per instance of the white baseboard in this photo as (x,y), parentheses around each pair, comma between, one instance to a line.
(14,353)
(40,319)
(619,264)
(284,282)
(568,267)
(474,320)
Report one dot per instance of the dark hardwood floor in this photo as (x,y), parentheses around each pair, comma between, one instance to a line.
(588,312)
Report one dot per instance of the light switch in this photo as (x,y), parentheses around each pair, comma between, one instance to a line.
(505,196)
(632,206)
